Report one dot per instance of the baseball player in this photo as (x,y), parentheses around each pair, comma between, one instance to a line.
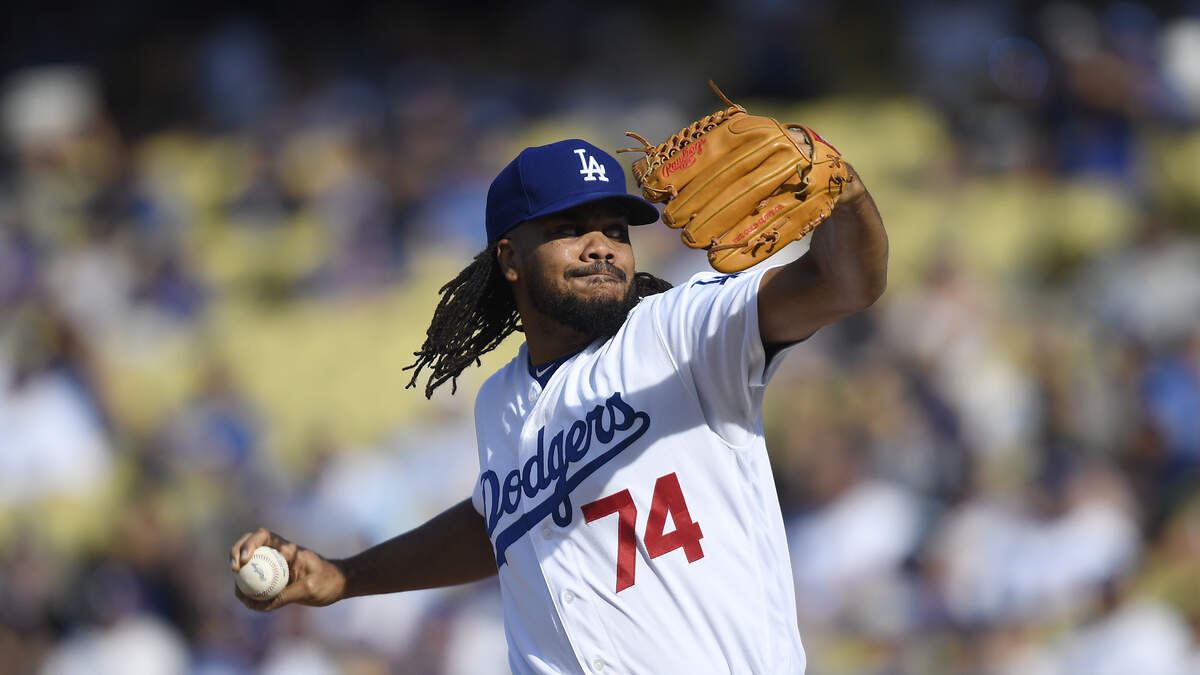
(624,494)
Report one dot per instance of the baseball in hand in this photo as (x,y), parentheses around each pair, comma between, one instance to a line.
(264,576)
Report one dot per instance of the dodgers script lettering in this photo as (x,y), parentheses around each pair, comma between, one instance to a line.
(610,427)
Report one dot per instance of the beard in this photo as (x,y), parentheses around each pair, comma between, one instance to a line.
(595,317)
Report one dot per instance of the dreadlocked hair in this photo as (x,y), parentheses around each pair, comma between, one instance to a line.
(476,313)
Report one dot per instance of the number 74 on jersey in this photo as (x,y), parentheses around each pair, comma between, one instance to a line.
(667,499)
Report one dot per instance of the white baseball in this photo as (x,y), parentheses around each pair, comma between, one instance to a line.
(265,575)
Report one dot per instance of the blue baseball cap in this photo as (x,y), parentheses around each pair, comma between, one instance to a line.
(547,179)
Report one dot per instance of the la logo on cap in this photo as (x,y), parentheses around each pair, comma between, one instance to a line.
(541,180)
(592,170)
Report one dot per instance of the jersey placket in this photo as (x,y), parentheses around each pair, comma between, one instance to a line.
(552,547)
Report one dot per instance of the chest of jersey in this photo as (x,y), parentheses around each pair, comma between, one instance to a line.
(615,513)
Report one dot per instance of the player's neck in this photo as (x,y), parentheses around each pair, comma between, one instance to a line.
(547,340)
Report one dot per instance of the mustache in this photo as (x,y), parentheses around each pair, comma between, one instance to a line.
(599,268)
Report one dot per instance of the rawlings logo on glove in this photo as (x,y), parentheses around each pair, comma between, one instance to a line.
(741,186)
(687,157)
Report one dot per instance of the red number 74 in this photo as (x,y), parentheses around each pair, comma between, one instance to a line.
(667,499)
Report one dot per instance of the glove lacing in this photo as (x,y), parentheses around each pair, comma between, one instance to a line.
(657,155)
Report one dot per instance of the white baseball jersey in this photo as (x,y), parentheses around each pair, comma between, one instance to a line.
(630,501)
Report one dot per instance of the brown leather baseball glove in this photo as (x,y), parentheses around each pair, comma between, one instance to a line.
(741,186)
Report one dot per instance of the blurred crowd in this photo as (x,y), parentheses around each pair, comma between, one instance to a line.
(215,265)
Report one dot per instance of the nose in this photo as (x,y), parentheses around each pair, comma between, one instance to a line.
(597,246)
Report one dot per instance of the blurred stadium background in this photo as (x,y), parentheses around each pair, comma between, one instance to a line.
(222,231)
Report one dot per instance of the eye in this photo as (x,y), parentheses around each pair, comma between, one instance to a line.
(565,230)
(618,232)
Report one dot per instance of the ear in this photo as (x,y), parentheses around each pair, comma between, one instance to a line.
(508,257)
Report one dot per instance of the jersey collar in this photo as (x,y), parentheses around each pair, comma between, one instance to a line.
(542,373)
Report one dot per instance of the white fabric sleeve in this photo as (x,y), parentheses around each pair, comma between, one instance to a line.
(710,329)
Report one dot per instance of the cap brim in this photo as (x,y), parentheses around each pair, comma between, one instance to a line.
(640,211)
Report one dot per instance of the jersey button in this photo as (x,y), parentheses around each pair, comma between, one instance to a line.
(568,597)
(597,664)
(547,533)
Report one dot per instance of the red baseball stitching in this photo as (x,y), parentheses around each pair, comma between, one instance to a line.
(274,574)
